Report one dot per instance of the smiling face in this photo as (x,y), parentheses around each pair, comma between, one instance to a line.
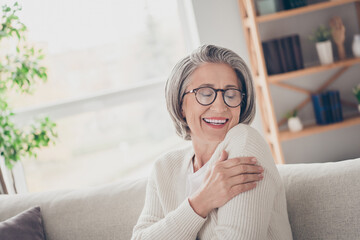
(210,123)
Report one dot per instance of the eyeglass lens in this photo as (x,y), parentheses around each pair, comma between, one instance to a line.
(206,96)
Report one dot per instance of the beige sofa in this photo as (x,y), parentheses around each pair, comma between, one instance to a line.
(323,203)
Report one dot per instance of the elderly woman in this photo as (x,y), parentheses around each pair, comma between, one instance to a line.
(226,185)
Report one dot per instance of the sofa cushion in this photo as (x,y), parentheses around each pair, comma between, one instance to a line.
(26,225)
(323,199)
(104,212)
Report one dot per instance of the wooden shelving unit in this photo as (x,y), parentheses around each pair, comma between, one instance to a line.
(310,130)
(262,81)
(302,10)
(312,70)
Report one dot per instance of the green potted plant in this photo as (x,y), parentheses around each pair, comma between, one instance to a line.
(294,122)
(322,38)
(356,91)
(20,69)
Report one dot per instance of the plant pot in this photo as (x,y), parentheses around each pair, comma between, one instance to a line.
(295,124)
(356,45)
(325,52)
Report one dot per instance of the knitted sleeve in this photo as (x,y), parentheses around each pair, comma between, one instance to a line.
(182,223)
(247,216)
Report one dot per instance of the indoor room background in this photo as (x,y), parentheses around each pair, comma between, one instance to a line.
(108,62)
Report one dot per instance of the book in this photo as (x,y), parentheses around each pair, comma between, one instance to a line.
(327,107)
(333,109)
(296,46)
(282,55)
(338,106)
(319,109)
(288,51)
(290,4)
(272,57)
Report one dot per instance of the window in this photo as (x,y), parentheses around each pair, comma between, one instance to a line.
(96,49)
(104,146)
(101,44)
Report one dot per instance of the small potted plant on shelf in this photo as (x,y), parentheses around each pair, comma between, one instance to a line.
(321,37)
(294,122)
(356,91)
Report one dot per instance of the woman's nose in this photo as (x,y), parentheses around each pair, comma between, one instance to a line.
(218,105)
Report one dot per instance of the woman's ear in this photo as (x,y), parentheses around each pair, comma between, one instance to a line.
(183,112)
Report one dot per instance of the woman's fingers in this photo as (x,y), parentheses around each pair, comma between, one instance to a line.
(243,169)
(226,179)
(239,161)
(244,178)
(223,157)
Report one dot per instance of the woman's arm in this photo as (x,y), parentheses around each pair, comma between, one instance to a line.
(247,216)
(182,223)
(226,179)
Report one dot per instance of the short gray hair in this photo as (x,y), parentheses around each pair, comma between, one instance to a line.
(179,79)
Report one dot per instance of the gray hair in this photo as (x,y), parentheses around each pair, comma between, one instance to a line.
(179,79)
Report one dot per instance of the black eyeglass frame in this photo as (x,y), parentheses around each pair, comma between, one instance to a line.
(216,91)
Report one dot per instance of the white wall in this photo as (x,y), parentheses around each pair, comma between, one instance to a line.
(219,22)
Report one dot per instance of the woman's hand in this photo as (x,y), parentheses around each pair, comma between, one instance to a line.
(225,180)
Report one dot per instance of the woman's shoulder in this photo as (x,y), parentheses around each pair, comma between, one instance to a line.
(245,133)
(246,140)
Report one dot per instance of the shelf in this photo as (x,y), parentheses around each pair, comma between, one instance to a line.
(287,135)
(262,81)
(310,70)
(302,10)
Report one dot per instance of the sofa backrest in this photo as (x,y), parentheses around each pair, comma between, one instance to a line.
(106,212)
(323,201)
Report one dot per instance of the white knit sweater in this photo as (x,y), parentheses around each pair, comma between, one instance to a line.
(256,214)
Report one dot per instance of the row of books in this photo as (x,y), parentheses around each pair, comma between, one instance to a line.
(327,107)
(283,54)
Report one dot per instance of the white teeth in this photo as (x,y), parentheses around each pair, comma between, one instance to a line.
(213,121)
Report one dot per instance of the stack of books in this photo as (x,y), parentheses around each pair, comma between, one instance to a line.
(283,54)
(327,107)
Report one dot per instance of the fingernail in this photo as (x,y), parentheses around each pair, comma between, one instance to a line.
(253,160)
(260,168)
(261,175)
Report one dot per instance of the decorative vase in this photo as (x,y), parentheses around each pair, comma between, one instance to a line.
(359,107)
(325,52)
(356,45)
(295,124)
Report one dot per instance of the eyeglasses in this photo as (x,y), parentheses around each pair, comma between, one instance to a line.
(207,95)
